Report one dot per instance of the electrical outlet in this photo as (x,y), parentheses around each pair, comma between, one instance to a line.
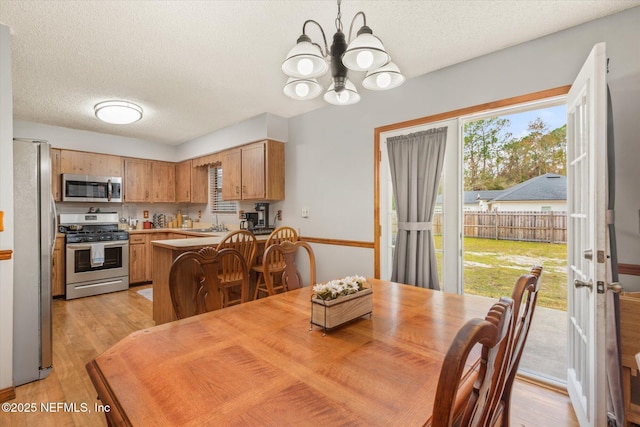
(279,215)
(305,212)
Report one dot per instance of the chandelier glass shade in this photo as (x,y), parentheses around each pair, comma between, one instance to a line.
(118,112)
(348,96)
(365,53)
(386,77)
(302,89)
(307,61)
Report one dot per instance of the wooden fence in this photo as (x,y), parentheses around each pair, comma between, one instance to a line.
(501,225)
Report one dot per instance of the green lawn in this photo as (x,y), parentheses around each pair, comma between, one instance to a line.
(491,268)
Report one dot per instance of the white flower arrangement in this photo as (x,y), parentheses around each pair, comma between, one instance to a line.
(335,288)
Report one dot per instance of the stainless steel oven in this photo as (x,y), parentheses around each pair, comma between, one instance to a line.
(85,277)
(97,254)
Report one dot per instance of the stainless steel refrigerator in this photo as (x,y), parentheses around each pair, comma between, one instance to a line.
(34,239)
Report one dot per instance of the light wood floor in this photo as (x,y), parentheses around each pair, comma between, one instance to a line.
(86,327)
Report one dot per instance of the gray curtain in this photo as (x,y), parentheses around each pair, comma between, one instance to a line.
(416,165)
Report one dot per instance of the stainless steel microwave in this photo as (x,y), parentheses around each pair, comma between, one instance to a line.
(87,188)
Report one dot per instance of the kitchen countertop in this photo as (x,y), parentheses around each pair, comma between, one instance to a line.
(190,232)
(198,240)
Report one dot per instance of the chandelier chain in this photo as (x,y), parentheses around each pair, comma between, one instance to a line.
(339,17)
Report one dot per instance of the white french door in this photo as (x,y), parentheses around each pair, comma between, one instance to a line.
(587,240)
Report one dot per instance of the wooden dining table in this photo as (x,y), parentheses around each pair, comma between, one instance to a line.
(261,363)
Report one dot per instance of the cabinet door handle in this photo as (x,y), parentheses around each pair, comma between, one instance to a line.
(237,189)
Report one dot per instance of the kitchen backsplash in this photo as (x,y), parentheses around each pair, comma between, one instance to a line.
(196,212)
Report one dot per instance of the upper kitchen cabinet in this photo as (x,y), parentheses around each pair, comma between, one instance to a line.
(163,176)
(81,163)
(137,185)
(192,183)
(149,181)
(232,174)
(254,172)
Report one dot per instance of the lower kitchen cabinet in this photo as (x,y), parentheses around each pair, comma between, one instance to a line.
(58,278)
(140,255)
(137,258)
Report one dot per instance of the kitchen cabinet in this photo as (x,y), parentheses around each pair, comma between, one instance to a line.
(192,183)
(56,178)
(82,163)
(58,277)
(163,181)
(140,255)
(137,173)
(232,175)
(254,172)
(149,181)
(137,258)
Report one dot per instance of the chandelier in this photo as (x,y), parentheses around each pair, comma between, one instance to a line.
(307,61)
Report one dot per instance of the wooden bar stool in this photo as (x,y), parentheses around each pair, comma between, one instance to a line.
(231,272)
(275,260)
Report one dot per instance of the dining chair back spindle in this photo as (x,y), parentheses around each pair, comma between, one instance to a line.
(290,274)
(524,296)
(194,284)
(275,261)
(456,403)
(231,270)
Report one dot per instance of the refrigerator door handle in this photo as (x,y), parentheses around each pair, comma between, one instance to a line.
(55,225)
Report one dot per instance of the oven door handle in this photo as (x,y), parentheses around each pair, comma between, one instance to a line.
(81,246)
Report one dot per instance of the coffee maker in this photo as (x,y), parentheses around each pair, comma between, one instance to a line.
(263,215)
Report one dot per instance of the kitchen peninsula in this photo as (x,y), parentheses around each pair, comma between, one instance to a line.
(164,252)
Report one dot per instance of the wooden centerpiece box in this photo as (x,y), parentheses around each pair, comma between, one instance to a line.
(329,313)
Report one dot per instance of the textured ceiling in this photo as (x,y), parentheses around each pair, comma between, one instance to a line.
(198,66)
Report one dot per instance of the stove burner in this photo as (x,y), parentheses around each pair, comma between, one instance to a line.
(95,236)
(94,233)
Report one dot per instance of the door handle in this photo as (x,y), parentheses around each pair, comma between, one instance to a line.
(588,254)
(581,284)
(615,287)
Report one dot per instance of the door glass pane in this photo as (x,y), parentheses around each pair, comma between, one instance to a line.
(515,217)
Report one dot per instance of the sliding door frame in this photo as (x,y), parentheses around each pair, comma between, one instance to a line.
(522,99)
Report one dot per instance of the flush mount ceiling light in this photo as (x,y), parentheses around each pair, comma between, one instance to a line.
(307,61)
(118,112)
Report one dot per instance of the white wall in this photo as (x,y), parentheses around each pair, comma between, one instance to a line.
(6,205)
(264,126)
(73,139)
(330,151)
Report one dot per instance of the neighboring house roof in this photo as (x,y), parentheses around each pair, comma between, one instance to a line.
(471,197)
(549,186)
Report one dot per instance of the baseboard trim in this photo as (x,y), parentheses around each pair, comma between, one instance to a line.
(8,393)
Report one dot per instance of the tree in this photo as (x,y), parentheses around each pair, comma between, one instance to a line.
(494,160)
(483,142)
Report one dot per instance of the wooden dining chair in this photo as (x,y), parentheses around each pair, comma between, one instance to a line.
(524,296)
(456,403)
(231,270)
(290,277)
(276,263)
(194,284)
